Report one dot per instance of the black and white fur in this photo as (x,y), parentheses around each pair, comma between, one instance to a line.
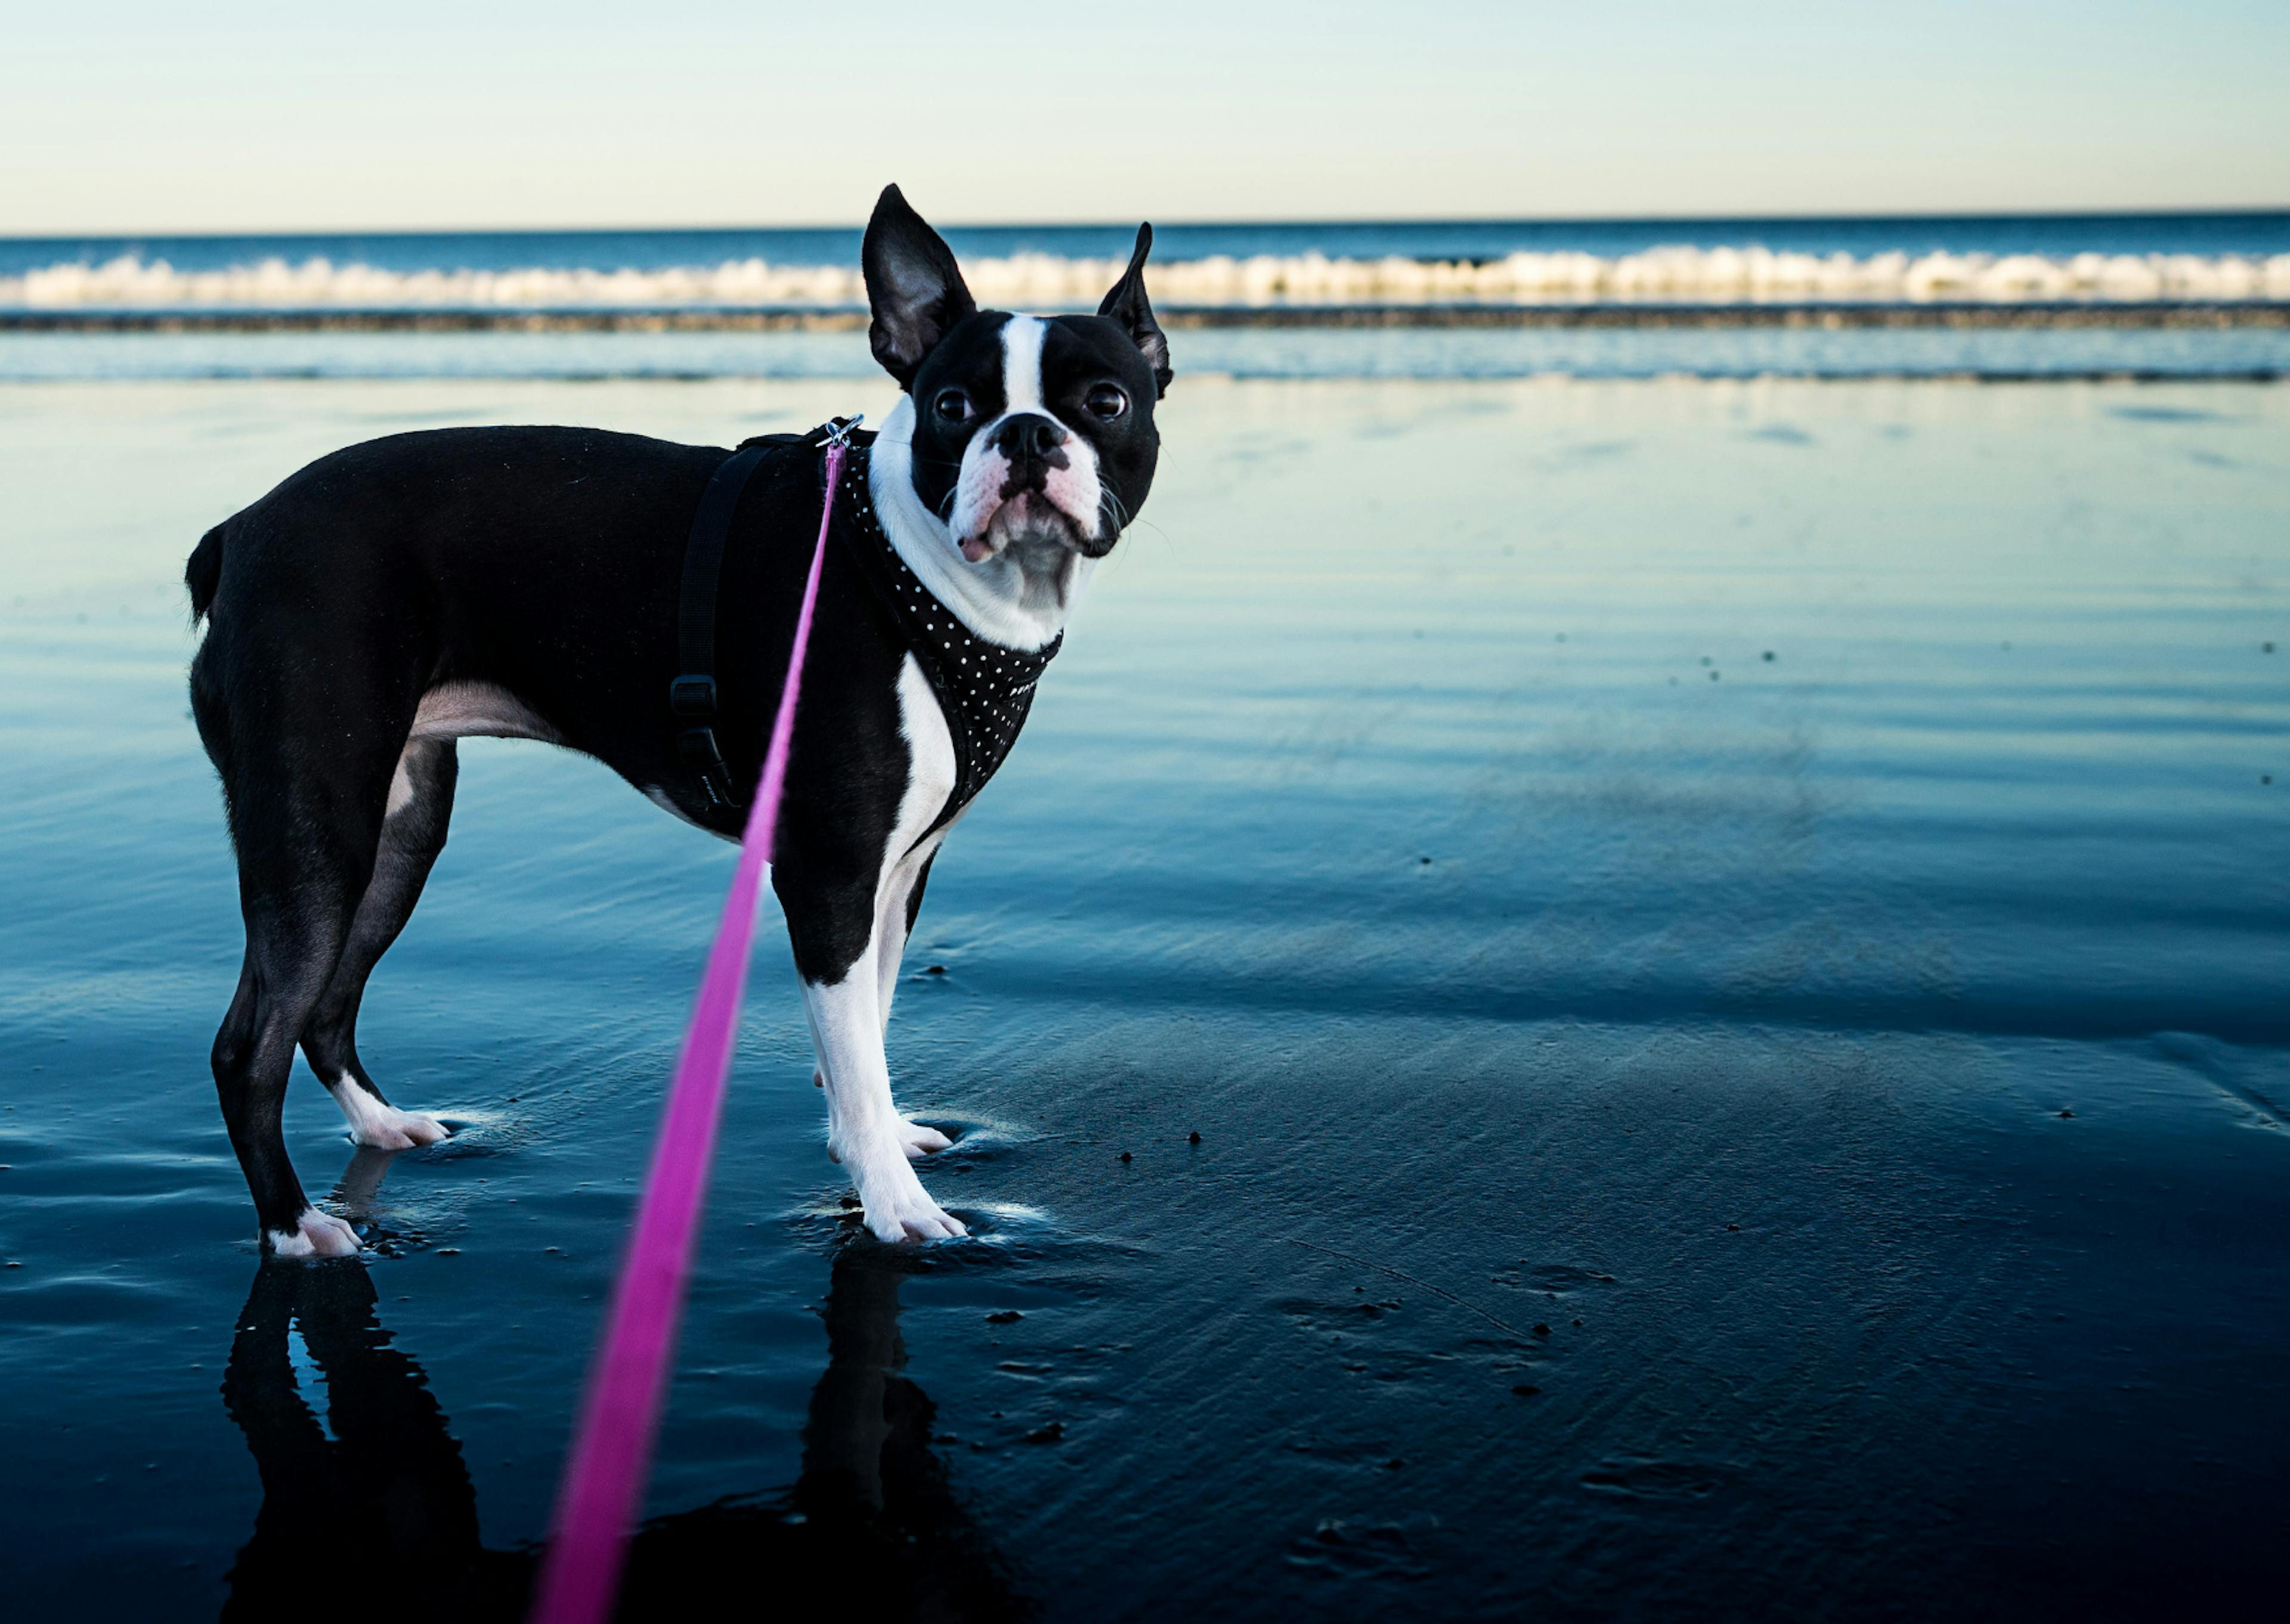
(399,595)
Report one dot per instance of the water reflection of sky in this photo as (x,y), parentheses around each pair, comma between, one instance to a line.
(1867,1062)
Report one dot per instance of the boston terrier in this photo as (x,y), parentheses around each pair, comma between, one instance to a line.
(526,583)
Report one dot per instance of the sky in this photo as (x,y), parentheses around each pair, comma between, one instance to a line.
(132,116)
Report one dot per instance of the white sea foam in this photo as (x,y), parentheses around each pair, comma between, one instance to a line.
(1748,275)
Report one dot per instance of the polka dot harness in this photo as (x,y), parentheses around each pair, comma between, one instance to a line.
(985,688)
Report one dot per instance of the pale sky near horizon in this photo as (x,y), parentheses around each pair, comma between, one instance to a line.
(126,116)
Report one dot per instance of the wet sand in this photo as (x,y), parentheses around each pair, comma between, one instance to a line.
(1830,314)
(1723,942)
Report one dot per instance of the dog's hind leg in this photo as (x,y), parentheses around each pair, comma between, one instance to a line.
(413,834)
(294,935)
(306,814)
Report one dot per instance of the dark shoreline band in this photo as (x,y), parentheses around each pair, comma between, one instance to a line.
(2172,314)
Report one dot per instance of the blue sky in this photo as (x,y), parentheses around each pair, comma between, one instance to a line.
(142,117)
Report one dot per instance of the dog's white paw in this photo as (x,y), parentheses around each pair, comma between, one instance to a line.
(384,1127)
(919,1141)
(316,1234)
(400,1131)
(898,1207)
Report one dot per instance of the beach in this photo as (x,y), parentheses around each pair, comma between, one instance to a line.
(1721,937)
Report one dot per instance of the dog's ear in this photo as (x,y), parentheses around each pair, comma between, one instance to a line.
(1128,305)
(914,288)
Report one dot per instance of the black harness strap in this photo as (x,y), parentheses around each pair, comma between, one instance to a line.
(692,695)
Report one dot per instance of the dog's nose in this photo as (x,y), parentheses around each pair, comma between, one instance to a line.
(1028,436)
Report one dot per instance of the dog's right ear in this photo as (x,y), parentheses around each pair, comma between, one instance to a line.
(914,288)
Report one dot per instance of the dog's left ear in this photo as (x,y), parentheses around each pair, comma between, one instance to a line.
(1128,305)
(914,287)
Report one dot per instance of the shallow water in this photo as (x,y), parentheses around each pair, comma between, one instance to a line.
(1724,942)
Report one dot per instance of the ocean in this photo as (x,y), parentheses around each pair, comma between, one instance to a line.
(1714,894)
(2235,256)
(2158,296)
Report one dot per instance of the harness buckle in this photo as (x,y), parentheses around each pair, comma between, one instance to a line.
(697,748)
(693,696)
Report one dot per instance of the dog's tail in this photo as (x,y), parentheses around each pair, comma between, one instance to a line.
(204,573)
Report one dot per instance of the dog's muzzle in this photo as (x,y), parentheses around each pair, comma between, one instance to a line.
(1030,485)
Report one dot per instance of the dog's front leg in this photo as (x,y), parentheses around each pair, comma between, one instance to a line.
(894,912)
(894,919)
(865,1132)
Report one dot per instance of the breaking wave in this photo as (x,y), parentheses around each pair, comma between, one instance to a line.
(1680,275)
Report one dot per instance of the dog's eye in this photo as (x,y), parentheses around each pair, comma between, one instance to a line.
(1105,402)
(952,405)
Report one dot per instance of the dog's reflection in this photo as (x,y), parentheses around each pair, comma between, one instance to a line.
(368,1509)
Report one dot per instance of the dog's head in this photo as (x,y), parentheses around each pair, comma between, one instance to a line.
(1033,436)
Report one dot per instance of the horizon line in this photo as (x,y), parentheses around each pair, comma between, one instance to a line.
(1906,216)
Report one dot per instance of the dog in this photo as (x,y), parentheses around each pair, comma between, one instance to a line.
(526,583)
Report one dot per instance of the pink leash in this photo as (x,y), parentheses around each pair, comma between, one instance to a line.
(603,1490)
